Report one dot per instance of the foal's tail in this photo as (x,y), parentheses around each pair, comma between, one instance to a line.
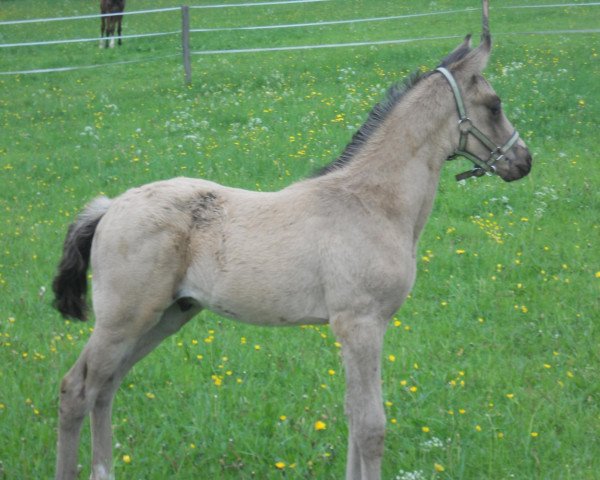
(70,283)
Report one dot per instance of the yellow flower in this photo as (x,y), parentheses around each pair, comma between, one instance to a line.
(425,429)
(534,434)
(319,425)
(126,459)
(597,275)
(460,251)
(280,465)
(331,372)
(510,396)
(438,468)
(478,428)
(283,418)
(392,358)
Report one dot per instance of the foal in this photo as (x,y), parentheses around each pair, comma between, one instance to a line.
(338,248)
(108,23)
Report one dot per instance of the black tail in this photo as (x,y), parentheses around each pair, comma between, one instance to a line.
(70,283)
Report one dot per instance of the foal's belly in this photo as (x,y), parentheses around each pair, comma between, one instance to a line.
(267,317)
(260,297)
(260,311)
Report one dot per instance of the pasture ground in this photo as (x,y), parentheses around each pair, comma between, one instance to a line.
(491,368)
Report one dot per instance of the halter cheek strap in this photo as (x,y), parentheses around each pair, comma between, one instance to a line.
(466,128)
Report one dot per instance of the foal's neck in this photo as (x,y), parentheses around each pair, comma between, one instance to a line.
(397,170)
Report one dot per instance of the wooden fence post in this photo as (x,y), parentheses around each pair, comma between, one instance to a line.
(185,42)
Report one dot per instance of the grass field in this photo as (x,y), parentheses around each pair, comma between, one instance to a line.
(491,368)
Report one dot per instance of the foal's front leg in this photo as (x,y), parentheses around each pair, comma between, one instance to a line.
(362,342)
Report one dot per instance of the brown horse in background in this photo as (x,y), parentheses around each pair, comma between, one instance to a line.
(108,23)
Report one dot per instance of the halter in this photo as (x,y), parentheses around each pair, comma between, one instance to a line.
(466,127)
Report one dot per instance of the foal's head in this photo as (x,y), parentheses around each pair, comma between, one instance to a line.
(484,134)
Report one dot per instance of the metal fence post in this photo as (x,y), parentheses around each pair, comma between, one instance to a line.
(185,42)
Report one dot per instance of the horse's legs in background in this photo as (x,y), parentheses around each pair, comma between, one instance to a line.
(172,320)
(111,31)
(119,22)
(102,30)
(362,342)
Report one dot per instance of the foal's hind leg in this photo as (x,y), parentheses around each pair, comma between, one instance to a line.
(101,357)
(362,342)
(171,321)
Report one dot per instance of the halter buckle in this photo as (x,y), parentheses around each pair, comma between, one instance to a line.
(465,125)
(497,155)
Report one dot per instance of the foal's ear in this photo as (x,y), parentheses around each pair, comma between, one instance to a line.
(457,54)
(476,60)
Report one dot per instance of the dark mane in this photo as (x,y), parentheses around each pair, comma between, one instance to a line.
(377,116)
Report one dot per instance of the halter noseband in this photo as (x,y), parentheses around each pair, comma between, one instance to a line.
(466,127)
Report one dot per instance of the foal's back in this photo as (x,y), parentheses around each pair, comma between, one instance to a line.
(276,258)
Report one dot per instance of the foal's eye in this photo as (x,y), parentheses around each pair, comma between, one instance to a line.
(496,108)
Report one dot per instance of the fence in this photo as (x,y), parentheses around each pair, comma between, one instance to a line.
(185,32)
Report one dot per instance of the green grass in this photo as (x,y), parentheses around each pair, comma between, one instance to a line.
(491,367)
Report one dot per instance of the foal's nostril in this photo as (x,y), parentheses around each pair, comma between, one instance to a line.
(525,168)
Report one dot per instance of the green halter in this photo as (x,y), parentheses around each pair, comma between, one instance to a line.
(466,127)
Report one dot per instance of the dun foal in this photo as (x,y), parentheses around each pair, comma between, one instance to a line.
(108,23)
(338,248)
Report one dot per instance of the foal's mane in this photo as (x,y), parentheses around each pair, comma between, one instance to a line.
(381,111)
(376,117)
